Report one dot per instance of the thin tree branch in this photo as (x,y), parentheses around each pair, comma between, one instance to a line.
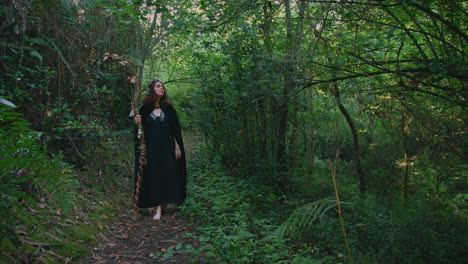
(460,77)
(442,40)
(383,72)
(441,19)
(413,89)
(415,41)
(353,3)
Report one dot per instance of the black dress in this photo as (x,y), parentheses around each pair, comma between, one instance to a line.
(164,176)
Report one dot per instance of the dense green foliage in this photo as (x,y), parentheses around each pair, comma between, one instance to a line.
(53,182)
(50,212)
(230,213)
(278,90)
(240,221)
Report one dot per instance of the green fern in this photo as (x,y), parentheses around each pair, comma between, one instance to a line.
(304,217)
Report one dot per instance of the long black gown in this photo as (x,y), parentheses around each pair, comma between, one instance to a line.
(164,177)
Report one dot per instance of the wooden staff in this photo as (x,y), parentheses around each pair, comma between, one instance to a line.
(142,146)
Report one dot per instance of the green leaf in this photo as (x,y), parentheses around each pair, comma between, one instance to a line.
(37,55)
(8,103)
(38,41)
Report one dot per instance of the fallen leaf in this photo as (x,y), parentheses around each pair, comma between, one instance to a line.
(141,244)
(123,236)
(54,237)
(60,231)
(21,232)
(34,243)
(58,212)
(168,241)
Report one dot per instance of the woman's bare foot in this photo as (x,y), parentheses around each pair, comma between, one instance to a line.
(157,216)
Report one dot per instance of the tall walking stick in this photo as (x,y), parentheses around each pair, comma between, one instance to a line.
(142,146)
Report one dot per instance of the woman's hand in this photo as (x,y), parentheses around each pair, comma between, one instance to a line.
(178,153)
(137,119)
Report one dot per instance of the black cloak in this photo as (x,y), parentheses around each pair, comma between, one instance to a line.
(164,177)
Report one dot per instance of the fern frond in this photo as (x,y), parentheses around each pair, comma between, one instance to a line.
(305,216)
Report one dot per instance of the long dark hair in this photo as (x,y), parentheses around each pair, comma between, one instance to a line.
(150,97)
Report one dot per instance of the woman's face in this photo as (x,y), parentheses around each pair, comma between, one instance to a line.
(159,89)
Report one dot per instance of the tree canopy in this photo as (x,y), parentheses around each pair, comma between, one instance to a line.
(283,93)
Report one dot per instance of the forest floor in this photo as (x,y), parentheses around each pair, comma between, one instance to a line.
(146,240)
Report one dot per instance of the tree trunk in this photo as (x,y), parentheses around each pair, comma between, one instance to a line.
(363,181)
(311,139)
(283,110)
(352,127)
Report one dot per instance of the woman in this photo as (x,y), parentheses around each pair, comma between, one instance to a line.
(164,177)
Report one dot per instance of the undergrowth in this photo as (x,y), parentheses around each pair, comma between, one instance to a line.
(242,221)
(234,220)
(52,212)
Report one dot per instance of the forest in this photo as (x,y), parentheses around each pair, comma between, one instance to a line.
(319,131)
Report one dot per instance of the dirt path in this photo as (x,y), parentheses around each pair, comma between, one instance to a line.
(145,241)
